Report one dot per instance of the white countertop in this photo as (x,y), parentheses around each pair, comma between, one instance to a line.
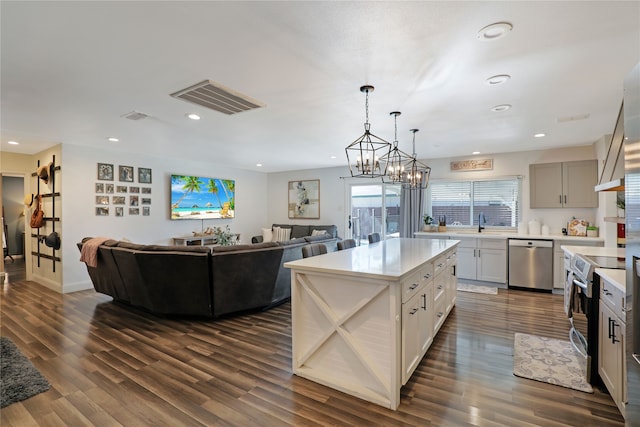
(490,234)
(594,251)
(389,259)
(617,278)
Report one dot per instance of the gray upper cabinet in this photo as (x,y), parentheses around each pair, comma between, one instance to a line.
(564,185)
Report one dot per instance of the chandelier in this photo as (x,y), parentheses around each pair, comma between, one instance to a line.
(364,154)
(416,173)
(397,160)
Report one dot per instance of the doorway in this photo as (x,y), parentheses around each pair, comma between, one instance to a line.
(13,213)
(375,208)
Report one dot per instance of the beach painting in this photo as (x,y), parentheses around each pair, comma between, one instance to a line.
(194,197)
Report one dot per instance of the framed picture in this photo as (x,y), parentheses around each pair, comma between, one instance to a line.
(146,201)
(125,173)
(118,200)
(134,189)
(146,190)
(134,211)
(105,172)
(133,201)
(304,199)
(119,211)
(144,175)
(102,211)
(108,188)
(122,188)
(102,200)
(146,211)
(99,188)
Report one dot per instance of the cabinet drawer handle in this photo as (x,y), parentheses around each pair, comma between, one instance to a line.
(427,276)
(440,314)
(440,265)
(424,301)
(412,287)
(560,199)
(414,311)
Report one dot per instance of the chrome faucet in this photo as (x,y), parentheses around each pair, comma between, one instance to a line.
(481,220)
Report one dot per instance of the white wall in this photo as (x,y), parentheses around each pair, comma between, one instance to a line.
(332,197)
(80,220)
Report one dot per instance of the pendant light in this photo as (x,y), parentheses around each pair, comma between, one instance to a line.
(397,160)
(363,154)
(416,173)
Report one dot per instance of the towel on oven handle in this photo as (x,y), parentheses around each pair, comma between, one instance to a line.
(571,297)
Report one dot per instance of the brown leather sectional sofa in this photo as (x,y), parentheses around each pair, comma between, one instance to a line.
(197,280)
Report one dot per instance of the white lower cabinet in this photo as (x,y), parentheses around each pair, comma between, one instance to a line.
(561,260)
(425,308)
(483,259)
(611,351)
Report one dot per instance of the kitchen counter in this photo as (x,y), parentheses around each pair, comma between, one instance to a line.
(617,278)
(490,234)
(594,251)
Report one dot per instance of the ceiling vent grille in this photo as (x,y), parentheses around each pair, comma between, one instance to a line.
(135,115)
(217,97)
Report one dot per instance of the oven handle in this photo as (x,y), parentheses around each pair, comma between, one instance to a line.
(580,284)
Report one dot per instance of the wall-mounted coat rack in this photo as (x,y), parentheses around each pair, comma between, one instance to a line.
(53,218)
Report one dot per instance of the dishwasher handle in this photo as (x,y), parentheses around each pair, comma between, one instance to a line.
(531,243)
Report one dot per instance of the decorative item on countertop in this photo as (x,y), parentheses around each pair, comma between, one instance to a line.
(428,223)
(592,231)
(577,227)
(545,230)
(534,227)
(442,223)
(522,228)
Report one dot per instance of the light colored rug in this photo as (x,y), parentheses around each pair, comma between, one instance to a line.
(465,287)
(551,361)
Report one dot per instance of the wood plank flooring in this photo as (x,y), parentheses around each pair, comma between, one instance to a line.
(110,365)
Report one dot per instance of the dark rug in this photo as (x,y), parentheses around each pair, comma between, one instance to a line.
(19,379)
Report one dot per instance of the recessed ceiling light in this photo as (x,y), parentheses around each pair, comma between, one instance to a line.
(193,116)
(13,142)
(112,139)
(332,157)
(259,165)
(497,79)
(501,107)
(475,152)
(539,135)
(495,31)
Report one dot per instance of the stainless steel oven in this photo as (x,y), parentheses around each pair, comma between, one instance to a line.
(582,305)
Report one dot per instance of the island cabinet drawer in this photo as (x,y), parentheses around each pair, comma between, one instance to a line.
(411,285)
(452,257)
(493,244)
(439,312)
(426,273)
(439,264)
(439,288)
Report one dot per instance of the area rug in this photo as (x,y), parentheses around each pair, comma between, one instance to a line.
(465,287)
(19,379)
(551,361)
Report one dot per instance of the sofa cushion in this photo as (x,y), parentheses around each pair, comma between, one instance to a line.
(267,235)
(300,231)
(175,248)
(318,238)
(332,230)
(236,248)
(298,241)
(281,234)
(129,245)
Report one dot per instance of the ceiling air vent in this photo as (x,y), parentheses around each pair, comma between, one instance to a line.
(135,115)
(217,97)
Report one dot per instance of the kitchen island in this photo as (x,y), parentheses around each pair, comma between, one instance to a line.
(363,318)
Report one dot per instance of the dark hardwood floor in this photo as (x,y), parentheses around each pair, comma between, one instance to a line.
(110,365)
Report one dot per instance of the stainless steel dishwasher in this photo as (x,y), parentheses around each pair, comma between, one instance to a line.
(531,264)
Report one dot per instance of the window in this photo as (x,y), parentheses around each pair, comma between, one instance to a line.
(462,202)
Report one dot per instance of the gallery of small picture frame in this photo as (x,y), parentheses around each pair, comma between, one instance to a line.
(108,193)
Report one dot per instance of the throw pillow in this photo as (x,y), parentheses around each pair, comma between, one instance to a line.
(319,232)
(267,235)
(281,234)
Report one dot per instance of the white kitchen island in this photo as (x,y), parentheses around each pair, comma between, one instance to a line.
(363,318)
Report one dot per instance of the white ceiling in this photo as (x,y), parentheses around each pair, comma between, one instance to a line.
(70,70)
